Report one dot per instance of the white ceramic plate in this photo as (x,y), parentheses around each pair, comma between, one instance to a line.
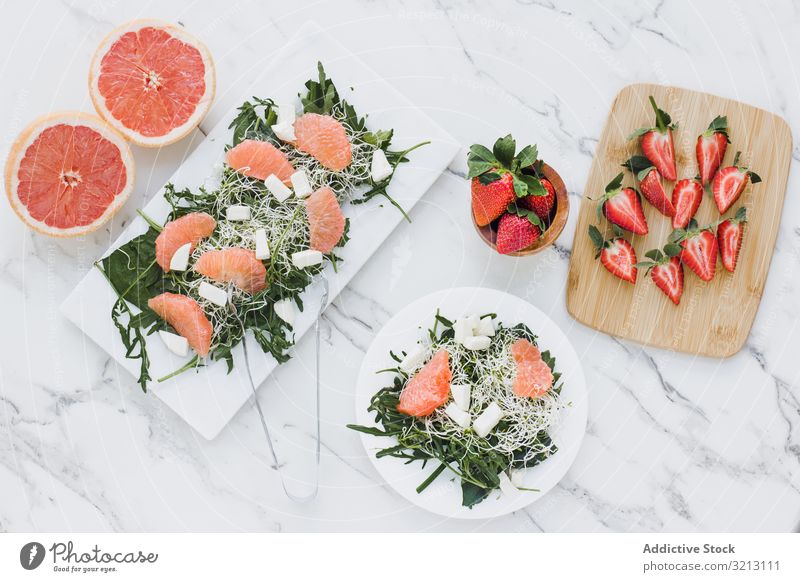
(443,496)
(209,399)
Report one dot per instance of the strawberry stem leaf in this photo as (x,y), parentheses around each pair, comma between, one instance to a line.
(504,149)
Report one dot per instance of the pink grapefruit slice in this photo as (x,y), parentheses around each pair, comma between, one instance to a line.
(67,173)
(152,81)
(190,228)
(234,265)
(259,159)
(186,317)
(429,388)
(324,138)
(325,220)
(534,377)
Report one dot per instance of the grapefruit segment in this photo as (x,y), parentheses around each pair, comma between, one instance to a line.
(190,228)
(152,81)
(234,265)
(67,173)
(324,138)
(534,377)
(325,220)
(259,159)
(429,388)
(186,317)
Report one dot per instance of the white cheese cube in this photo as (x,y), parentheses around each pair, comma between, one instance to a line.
(262,244)
(284,308)
(380,168)
(284,131)
(461,395)
(286,113)
(517,477)
(506,486)
(457,415)
(477,342)
(237,212)
(175,343)
(413,360)
(485,327)
(462,330)
(277,188)
(300,183)
(307,258)
(180,260)
(487,420)
(473,321)
(213,293)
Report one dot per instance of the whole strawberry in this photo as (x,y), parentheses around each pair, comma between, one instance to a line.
(519,228)
(499,176)
(541,205)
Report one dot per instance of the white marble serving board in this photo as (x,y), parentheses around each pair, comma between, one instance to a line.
(209,398)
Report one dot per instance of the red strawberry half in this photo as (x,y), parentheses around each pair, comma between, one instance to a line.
(698,249)
(710,149)
(650,184)
(686,197)
(616,254)
(729,237)
(666,270)
(729,183)
(657,144)
(518,229)
(498,178)
(541,205)
(622,206)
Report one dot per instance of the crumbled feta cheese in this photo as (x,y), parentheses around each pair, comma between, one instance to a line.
(477,342)
(460,417)
(506,486)
(286,113)
(487,419)
(284,131)
(462,330)
(300,183)
(237,212)
(262,244)
(485,326)
(517,477)
(175,343)
(473,321)
(277,188)
(380,168)
(307,258)
(180,260)
(461,395)
(213,293)
(284,308)
(413,360)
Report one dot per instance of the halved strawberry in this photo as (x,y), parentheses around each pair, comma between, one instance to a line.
(541,205)
(729,183)
(622,206)
(666,270)
(686,197)
(698,249)
(518,228)
(657,144)
(616,254)
(497,177)
(729,237)
(650,184)
(711,146)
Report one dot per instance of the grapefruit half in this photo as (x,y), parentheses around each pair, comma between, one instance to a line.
(152,81)
(67,173)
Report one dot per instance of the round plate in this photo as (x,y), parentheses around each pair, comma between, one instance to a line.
(443,496)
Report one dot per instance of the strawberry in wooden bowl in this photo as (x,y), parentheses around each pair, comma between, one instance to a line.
(519,203)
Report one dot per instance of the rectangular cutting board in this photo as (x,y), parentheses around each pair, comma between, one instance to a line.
(713,319)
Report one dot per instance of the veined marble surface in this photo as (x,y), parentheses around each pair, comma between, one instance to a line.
(674,442)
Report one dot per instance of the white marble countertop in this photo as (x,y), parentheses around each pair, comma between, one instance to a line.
(674,442)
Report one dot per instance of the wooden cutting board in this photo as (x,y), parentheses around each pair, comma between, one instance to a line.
(713,319)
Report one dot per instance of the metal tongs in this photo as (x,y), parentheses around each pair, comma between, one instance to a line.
(315,485)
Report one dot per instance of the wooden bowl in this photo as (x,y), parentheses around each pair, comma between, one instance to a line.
(489,235)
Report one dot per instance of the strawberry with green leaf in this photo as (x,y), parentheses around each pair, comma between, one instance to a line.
(666,270)
(518,229)
(498,178)
(650,184)
(710,148)
(730,233)
(622,206)
(698,248)
(730,182)
(657,143)
(541,205)
(616,255)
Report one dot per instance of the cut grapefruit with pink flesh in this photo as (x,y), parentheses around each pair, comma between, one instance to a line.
(186,317)
(152,81)
(188,229)
(259,159)
(534,377)
(325,220)
(324,138)
(233,265)
(67,173)
(429,388)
